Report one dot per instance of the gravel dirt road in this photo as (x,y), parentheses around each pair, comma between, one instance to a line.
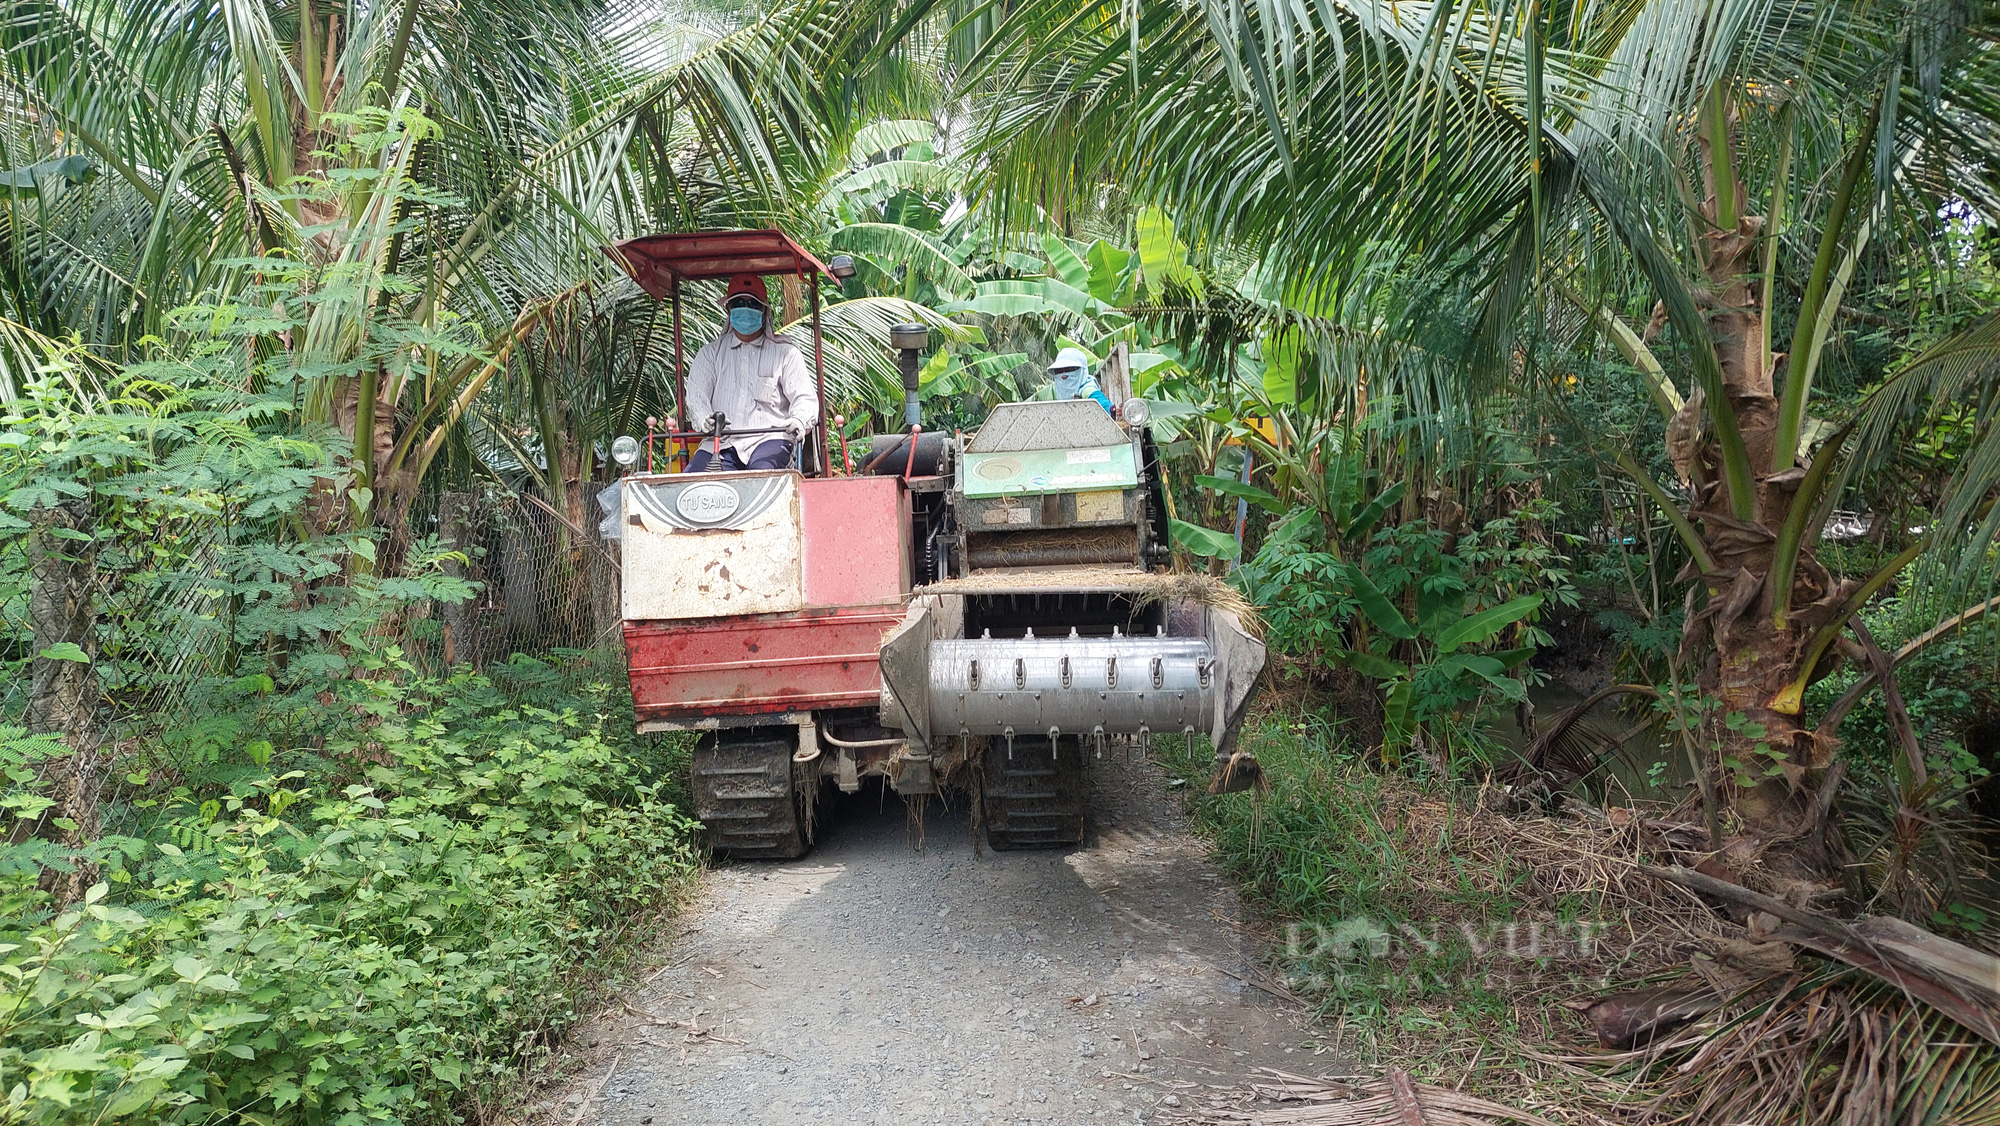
(875,982)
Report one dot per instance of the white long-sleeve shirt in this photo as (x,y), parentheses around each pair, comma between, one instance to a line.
(757,383)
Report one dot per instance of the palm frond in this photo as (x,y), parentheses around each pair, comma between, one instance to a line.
(1957,377)
(891,242)
(856,341)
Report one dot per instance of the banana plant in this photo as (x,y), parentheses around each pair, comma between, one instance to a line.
(1443,670)
(1399,612)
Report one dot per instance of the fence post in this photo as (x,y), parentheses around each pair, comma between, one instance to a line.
(461,631)
(606,585)
(63,692)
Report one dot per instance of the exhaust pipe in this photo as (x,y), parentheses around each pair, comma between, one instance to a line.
(910,340)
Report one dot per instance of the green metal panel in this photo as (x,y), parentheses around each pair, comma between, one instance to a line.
(1050,471)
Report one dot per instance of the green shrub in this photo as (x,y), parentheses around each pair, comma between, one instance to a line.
(379,950)
(1443,624)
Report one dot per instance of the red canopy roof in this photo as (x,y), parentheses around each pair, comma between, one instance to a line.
(660,262)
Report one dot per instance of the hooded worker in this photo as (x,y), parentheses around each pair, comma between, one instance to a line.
(1070,371)
(757,380)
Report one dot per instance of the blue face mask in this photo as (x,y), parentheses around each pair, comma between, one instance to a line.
(746,321)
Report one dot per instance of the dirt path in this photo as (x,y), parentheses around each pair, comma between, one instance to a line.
(874,983)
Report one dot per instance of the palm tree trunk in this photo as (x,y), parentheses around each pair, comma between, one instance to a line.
(520,579)
(1766,765)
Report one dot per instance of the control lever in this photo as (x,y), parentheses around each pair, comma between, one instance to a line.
(717,422)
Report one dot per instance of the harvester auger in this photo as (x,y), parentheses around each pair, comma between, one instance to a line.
(987,613)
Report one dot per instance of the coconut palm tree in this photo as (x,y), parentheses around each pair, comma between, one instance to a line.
(459,197)
(1726,162)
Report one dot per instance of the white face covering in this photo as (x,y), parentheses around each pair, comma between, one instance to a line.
(1071,374)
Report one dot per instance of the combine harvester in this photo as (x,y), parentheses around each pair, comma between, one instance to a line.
(987,613)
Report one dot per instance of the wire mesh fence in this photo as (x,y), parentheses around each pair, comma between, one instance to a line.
(544,579)
(159,637)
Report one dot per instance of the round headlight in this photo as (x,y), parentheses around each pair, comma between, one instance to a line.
(625,451)
(1135,412)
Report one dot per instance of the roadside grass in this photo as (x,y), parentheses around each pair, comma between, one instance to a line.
(1426,932)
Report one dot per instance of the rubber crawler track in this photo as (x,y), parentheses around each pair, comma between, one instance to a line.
(1034,799)
(744,795)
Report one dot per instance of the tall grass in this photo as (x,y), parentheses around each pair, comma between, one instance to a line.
(1396,905)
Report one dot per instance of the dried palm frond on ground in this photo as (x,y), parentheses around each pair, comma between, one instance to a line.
(1824,1045)
(1556,864)
(1958,980)
(1757,1028)
(1394,1100)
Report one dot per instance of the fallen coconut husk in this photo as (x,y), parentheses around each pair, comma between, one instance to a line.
(1625,1020)
(1393,1100)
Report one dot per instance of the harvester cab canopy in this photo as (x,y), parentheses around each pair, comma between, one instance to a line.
(661,264)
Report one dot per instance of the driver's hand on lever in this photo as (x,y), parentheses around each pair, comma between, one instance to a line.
(757,379)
